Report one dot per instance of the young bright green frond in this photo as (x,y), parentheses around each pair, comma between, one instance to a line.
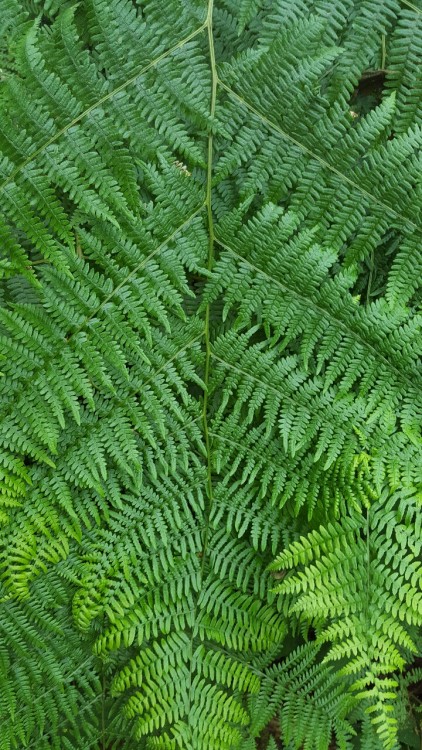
(362,580)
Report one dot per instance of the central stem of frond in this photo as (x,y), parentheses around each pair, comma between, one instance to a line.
(210,262)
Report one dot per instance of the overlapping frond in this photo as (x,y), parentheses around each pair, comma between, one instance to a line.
(315,704)
(360,580)
(210,345)
(48,674)
(326,403)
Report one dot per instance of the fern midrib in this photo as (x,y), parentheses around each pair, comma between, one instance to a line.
(401,375)
(323,162)
(98,103)
(207,340)
(210,262)
(216,81)
(45,359)
(412,6)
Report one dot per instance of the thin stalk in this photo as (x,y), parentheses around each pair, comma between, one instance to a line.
(371,273)
(383,51)
(207,337)
(210,263)
(103,721)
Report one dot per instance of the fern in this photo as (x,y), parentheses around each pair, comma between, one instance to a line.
(361,586)
(210,346)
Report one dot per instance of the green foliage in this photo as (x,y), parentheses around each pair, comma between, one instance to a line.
(359,581)
(210,346)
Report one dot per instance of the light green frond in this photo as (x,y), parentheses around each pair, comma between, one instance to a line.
(363,581)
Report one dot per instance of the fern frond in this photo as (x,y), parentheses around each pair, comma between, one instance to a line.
(404,70)
(361,579)
(210,346)
(314,702)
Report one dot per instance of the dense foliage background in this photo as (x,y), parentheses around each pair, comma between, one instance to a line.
(210,394)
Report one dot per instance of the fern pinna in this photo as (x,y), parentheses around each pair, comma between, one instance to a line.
(210,393)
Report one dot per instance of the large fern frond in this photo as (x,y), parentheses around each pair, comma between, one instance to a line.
(210,340)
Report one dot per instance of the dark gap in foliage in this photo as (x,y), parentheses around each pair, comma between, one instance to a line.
(368,92)
(271,730)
